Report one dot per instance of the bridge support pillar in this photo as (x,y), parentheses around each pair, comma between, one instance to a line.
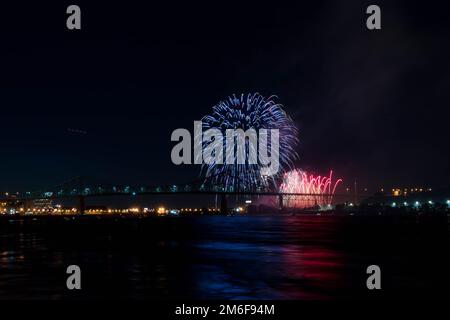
(280,201)
(81,205)
(28,205)
(223,204)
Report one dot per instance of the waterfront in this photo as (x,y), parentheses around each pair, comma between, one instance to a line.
(219,257)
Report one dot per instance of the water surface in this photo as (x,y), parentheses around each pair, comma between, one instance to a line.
(245,257)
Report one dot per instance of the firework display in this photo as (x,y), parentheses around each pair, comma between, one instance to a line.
(250,111)
(315,190)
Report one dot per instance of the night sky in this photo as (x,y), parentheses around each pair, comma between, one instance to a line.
(103,101)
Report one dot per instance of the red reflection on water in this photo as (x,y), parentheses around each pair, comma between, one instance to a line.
(313,269)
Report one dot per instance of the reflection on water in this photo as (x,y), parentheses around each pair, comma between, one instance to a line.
(248,257)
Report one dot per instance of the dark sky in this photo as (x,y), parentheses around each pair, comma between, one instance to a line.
(372,105)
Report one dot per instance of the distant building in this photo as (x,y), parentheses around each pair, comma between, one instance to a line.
(411,197)
(42,203)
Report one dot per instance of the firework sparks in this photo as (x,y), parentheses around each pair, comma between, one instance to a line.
(250,111)
(321,189)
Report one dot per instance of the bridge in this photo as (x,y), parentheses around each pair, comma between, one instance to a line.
(82,187)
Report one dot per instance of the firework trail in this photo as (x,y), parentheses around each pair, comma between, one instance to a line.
(298,181)
(250,111)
